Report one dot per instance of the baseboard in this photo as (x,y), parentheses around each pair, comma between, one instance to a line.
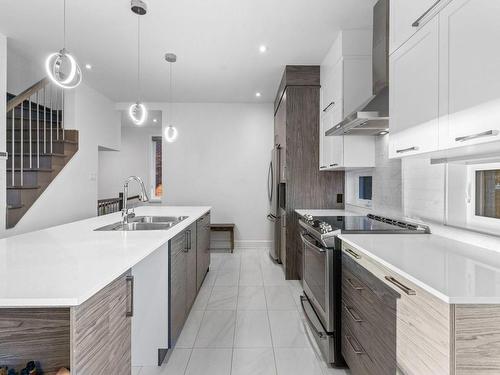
(241,244)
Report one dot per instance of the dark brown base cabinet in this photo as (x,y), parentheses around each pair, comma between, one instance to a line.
(296,131)
(189,263)
(92,338)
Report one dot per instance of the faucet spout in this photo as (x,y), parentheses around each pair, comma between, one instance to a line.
(143,196)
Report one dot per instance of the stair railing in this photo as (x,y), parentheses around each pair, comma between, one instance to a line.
(48,99)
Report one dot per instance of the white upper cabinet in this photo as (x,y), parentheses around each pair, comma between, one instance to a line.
(407,17)
(413,94)
(470,72)
(346,83)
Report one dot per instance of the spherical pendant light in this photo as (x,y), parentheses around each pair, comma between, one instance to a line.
(61,67)
(138,112)
(171,134)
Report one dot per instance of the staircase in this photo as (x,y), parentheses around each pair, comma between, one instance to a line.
(37,144)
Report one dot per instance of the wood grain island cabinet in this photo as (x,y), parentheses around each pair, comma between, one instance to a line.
(392,326)
(136,319)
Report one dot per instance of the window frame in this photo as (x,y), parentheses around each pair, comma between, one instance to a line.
(476,221)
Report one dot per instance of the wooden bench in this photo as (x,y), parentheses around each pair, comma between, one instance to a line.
(224,228)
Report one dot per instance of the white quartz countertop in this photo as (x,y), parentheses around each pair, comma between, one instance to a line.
(67,264)
(455,272)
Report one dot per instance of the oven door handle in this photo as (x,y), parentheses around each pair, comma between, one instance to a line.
(311,244)
(320,334)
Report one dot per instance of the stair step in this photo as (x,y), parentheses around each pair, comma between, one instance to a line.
(14,206)
(22,187)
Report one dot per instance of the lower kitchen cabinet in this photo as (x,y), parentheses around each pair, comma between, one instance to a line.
(202,248)
(392,326)
(91,338)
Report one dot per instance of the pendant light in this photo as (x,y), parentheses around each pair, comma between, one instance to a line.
(137,111)
(171,132)
(61,67)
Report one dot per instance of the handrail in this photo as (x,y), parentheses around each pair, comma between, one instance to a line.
(26,94)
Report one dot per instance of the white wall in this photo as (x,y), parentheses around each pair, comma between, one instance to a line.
(23,72)
(72,195)
(221,159)
(133,159)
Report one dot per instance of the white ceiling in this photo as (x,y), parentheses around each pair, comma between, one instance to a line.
(216,42)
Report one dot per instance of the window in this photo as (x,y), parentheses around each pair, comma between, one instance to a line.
(157,167)
(483,197)
(488,193)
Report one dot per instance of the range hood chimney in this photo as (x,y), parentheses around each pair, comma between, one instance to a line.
(373,116)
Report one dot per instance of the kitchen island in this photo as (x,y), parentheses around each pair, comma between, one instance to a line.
(67,292)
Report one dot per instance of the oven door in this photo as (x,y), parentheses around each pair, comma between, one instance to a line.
(317,279)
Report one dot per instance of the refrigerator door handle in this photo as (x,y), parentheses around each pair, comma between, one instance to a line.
(270,182)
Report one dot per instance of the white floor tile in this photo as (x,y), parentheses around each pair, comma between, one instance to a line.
(279,298)
(255,361)
(136,370)
(200,303)
(287,329)
(273,275)
(217,330)
(190,330)
(251,277)
(228,277)
(176,364)
(251,298)
(252,330)
(294,361)
(210,277)
(223,298)
(210,362)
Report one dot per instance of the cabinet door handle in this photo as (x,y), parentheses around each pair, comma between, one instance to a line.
(130,284)
(401,286)
(352,253)
(354,347)
(328,106)
(334,165)
(323,167)
(403,150)
(350,312)
(489,133)
(188,241)
(354,286)
(416,23)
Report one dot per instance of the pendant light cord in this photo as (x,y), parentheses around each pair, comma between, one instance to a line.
(171,93)
(138,58)
(64,23)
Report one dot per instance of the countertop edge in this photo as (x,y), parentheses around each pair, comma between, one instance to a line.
(76,301)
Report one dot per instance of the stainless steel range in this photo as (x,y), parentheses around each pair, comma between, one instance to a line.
(322,271)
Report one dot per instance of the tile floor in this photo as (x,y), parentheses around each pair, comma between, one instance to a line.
(246,320)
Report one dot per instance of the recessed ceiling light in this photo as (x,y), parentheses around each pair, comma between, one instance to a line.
(88,66)
(155,120)
(258,94)
(262,49)
(383,132)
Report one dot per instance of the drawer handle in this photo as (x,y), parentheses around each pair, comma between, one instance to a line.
(353,253)
(130,282)
(403,150)
(417,21)
(350,311)
(489,133)
(328,106)
(323,167)
(401,286)
(350,340)
(354,286)
(334,165)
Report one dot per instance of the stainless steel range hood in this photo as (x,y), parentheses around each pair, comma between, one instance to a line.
(372,117)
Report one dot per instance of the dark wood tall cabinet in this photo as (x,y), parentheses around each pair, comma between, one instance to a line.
(296,130)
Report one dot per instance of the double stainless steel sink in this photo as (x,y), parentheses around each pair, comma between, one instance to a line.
(144,223)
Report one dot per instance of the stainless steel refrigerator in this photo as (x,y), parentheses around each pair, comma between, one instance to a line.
(272,192)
